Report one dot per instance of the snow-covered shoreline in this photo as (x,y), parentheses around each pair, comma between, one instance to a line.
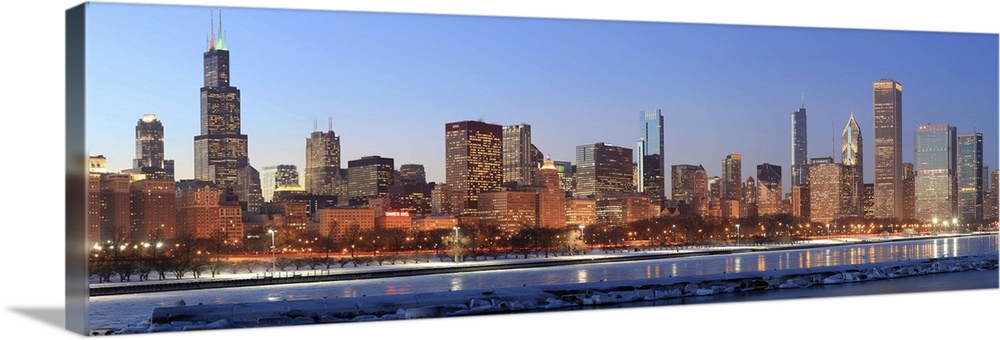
(536,298)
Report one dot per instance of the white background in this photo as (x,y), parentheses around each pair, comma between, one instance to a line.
(32,101)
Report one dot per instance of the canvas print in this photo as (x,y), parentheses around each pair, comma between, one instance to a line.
(245,167)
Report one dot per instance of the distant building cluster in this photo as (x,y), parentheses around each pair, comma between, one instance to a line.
(496,176)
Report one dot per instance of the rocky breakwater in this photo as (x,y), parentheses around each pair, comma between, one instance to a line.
(539,298)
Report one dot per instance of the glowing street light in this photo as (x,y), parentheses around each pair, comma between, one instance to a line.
(738,234)
(273,258)
(456,243)
(673,230)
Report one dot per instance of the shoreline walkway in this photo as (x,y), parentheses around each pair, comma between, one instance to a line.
(432,268)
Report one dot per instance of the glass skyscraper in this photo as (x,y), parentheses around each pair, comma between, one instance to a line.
(649,154)
(276,175)
(800,160)
(769,193)
(369,177)
(851,156)
(603,168)
(518,165)
(970,176)
(935,163)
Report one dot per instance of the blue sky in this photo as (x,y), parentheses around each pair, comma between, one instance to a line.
(390,82)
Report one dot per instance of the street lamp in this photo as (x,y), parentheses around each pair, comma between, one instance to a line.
(273,258)
(673,230)
(456,243)
(738,234)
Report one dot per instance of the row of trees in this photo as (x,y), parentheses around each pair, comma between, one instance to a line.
(192,257)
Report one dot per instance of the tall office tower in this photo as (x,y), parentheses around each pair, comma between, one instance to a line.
(689,184)
(800,160)
(322,162)
(473,162)
(851,156)
(994,200)
(603,168)
(413,198)
(989,209)
(887,107)
(935,161)
(769,189)
(220,151)
(367,178)
(970,176)
(731,187)
(517,161)
(731,177)
(651,179)
(410,191)
(98,166)
(275,175)
(412,174)
(800,201)
(149,150)
(551,197)
(248,189)
(537,159)
(153,213)
(748,207)
(868,201)
(909,192)
(565,176)
(714,186)
(825,187)
(714,207)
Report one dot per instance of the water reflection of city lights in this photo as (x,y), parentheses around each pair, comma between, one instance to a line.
(456,284)
(581,276)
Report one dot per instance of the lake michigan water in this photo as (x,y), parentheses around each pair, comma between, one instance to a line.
(112,312)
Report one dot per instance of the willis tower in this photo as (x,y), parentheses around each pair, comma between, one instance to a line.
(220,151)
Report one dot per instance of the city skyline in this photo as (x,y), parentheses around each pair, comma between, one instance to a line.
(602,111)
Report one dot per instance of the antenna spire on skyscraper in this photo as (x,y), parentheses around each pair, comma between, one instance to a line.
(803,99)
(211,31)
